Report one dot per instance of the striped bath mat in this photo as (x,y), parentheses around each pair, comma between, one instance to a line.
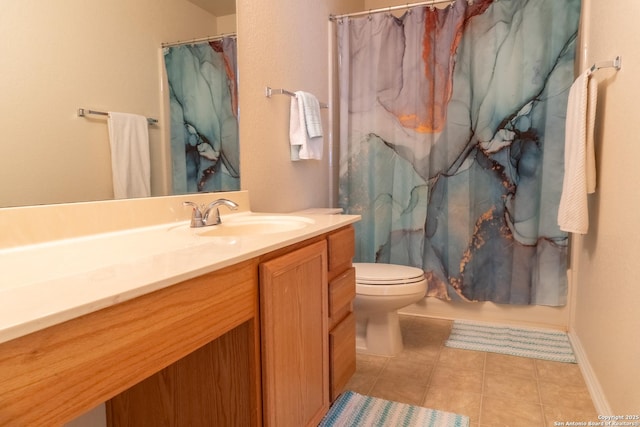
(356,410)
(544,344)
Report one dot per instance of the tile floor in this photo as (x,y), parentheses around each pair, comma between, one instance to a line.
(491,389)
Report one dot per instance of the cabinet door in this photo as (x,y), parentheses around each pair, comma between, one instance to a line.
(295,354)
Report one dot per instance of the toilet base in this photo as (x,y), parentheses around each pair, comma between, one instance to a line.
(379,334)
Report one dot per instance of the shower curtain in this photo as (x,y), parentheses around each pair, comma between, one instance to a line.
(452,144)
(205,151)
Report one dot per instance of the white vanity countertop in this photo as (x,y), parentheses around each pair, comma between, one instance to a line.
(46,284)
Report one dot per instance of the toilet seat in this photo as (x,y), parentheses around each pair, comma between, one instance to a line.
(388,279)
(387,274)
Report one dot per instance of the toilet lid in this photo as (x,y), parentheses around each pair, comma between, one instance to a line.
(387,274)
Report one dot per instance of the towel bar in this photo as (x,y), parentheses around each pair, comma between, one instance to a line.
(615,63)
(268,92)
(83,112)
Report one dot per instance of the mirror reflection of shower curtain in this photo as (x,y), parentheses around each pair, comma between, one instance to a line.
(205,151)
(452,144)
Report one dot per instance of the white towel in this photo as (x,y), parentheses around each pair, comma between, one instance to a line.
(305,127)
(130,164)
(579,156)
(591,121)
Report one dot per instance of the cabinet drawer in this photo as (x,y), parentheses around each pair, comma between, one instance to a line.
(341,249)
(342,291)
(342,353)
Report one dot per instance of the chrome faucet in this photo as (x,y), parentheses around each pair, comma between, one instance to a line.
(214,206)
(201,214)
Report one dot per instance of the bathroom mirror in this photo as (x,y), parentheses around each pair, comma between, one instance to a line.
(58,57)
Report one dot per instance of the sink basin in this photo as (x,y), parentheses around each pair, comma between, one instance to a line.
(252,225)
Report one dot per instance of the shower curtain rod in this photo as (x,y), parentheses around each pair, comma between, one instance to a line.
(390,8)
(200,40)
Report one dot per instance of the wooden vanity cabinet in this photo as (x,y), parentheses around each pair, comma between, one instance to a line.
(270,340)
(202,331)
(307,349)
(214,384)
(308,329)
(342,291)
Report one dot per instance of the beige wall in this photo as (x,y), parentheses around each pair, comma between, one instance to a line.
(226,24)
(59,56)
(282,44)
(607,320)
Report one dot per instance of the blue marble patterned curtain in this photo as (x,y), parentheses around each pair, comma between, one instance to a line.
(205,152)
(452,144)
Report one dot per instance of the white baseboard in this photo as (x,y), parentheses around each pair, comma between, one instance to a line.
(599,400)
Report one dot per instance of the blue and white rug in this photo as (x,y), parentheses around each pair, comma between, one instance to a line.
(544,344)
(356,410)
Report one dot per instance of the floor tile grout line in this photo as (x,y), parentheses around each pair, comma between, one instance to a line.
(535,372)
(431,373)
(484,375)
(379,374)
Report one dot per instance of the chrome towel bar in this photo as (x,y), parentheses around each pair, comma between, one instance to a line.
(82,112)
(269,91)
(615,63)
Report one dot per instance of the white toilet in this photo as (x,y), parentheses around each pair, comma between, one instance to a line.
(381,290)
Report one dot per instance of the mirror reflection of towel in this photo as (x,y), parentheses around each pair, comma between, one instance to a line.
(305,127)
(130,164)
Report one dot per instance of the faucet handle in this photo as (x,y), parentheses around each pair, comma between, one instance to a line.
(196,215)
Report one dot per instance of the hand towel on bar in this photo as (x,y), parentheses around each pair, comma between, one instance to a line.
(130,164)
(579,156)
(592,100)
(305,127)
